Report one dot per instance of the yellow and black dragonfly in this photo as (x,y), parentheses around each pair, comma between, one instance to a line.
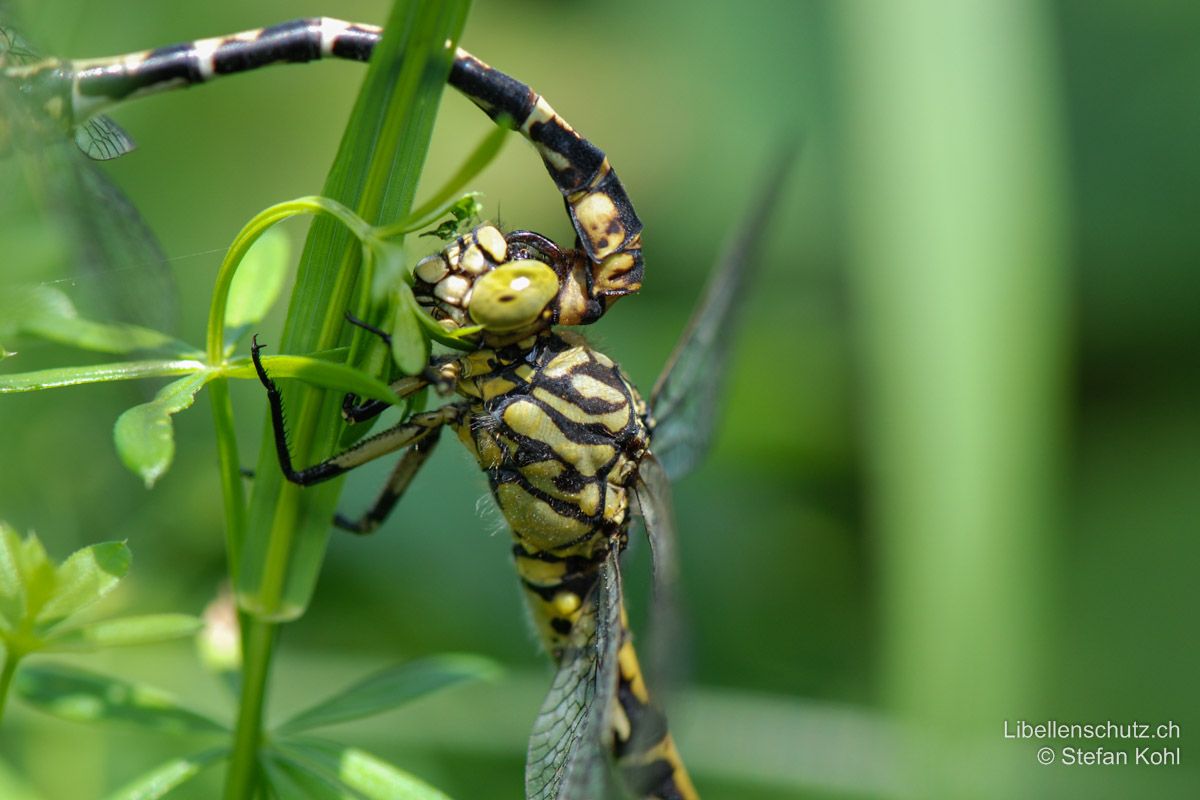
(572,454)
(571,450)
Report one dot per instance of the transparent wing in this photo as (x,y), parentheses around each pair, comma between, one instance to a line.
(88,229)
(667,640)
(568,750)
(101,139)
(684,400)
(13,47)
(127,271)
(653,490)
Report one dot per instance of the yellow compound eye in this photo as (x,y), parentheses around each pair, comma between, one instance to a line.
(512,295)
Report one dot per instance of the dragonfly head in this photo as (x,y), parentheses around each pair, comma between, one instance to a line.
(513,286)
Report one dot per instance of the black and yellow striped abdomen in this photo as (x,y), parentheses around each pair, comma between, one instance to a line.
(560,432)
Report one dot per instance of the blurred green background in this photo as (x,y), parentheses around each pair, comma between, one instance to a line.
(956,483)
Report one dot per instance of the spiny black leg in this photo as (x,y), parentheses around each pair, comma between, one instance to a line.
(438,373)
(404,434)
(405,470)
(315,474)
(366,326)
(352,410)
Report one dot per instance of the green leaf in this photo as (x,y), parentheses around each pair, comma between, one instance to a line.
(12,596)
(97,373)
(124,632)
(20,305)
(410,346)
(166,777)
(444,200)
(47,313)
(358,771)
(36,577)
(319,372)
(82,696)
(106,337)
(257,283)
(289,778)
(389,688)
(86,576)
(464,215)
(391,268)
(458,340)
(144,435)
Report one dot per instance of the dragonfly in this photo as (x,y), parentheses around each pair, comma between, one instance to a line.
(572,454)
(51,179)
(571,450)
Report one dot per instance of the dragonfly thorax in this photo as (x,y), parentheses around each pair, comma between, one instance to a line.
(560,432)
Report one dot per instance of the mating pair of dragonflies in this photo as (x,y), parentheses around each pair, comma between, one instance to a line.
(572,452)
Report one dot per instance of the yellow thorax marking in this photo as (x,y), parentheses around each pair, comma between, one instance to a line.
(535,520)
(526,418)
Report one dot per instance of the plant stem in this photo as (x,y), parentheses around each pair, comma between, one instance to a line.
(955,198)
(6,677)
(258,644)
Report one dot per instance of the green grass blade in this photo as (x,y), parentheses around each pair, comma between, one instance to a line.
(441,201)
(375,173)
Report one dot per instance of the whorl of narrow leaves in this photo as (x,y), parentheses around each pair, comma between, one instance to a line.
(37,597)
(83,696)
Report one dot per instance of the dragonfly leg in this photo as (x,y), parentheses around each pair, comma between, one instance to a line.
(369,328)
(406,469)
(355,410)
(397,437)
